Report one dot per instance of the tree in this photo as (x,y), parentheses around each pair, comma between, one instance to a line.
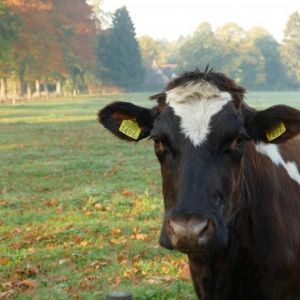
(151,50)
(207,47)
(274,73)
(30,61)
(77,26)
(9,26)
(119,53)
(55,39)
(231,38)
(199,50)
(102,17)
(228,49)
(290,48)
(245,63)
(171,49)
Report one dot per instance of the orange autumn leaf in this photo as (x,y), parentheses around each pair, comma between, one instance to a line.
(141,236)
(138,257)
(165,270)
(118,241)
(122,259)
(134,274)
(84,243)
(184,271)
(98,206)
(116,281)
(116,231)
(4,261)
(126,193)
(137,235)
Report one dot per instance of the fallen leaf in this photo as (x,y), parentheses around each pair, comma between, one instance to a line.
(100,263)
(84,243)
(126,193)
(7,295)
(98,206)
(7,284)
(29,283)
(116,231)
(62,278)
(4,261)
(63,261)
(166,278)
(116,281)
(122,259)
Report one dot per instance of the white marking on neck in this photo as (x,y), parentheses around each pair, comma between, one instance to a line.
(196,104)
(272,151)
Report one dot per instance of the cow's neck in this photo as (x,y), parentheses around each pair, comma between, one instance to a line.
(255,237)
(259,195)
(258,239)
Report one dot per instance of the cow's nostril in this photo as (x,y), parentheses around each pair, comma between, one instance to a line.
(206,232)
(174,231)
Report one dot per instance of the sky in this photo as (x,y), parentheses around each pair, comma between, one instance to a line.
(171,18)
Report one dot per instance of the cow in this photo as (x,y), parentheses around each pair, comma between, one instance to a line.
(230,183)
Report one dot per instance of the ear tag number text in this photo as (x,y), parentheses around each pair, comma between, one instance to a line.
(130,128)
(276,132)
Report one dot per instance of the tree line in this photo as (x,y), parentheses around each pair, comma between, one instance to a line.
(62,47)
(253,58)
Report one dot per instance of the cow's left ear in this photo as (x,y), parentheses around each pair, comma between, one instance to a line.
(276,124)
(127,121)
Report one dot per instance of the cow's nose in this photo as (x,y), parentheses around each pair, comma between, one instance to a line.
(191,234)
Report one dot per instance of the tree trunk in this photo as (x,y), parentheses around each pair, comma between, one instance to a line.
(29,91)
(38,88)
(46,87)
(15,92)
(58,87)
(21,86)
(3,89)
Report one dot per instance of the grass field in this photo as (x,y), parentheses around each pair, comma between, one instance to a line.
(80,211)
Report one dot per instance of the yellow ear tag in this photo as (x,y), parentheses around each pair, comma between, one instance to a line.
(130,128)
(276,132)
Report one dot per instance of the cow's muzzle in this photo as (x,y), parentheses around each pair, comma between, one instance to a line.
(190,234)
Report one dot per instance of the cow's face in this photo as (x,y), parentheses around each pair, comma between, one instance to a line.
(200,129)
(199,141)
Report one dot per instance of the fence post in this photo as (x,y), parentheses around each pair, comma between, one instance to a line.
(119,296)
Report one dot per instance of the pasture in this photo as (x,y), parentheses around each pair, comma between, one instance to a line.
(80,211)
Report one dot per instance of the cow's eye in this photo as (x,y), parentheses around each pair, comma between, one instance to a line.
(156,140)
(241,138)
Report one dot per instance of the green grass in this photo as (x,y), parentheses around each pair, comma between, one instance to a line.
(262,100)
(80,211)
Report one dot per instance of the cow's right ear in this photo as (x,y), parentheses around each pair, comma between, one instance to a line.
(127,121)
(276,124)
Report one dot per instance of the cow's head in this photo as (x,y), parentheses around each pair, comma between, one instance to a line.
(200,128)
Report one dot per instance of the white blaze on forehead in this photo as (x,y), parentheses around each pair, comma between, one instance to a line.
(196,104)
(272,151)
